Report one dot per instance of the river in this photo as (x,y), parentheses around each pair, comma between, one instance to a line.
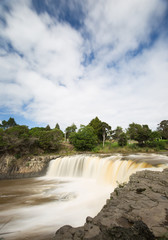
(74,187)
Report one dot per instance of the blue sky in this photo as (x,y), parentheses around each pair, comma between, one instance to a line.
(68,61)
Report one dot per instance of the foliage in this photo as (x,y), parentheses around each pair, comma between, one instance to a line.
(163,129)
(70,130)
(49,140)
(117,132)
(158,145)
(101,129)
(47,128)
(18,131)
(155,136)
(34,132)
(122,140)
(19,140)
(84,139)
(57,126)
(6,124)
(140,133)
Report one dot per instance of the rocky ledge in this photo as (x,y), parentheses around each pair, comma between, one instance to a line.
(27,166)
(135,211)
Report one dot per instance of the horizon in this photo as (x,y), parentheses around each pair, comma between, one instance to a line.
(68,61)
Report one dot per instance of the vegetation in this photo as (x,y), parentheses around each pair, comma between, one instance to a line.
(101,129)
(69,130)
(97,136)
(116,133)
(122,140)
(20,140)
(163,129)
(140,133)
(85,139)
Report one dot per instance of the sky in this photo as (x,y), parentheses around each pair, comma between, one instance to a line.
(68,61)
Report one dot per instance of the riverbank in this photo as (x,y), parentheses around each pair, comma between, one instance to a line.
(137,210)
(25,167)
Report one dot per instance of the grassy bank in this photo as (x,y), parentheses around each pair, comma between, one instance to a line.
(113,147)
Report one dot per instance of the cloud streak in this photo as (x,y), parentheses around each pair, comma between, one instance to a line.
(113,65)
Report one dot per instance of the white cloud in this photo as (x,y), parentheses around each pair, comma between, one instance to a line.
(47,77)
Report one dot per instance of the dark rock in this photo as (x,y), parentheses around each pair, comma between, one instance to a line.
(138,231)
(139,211)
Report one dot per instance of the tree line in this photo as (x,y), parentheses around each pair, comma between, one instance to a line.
(19,139)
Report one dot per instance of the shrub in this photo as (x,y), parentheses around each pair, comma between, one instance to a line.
(122,141)
(84,139)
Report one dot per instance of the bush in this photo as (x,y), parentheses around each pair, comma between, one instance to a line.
(50,140)
(159,145)
(84,139)
(18,131)
(122,141)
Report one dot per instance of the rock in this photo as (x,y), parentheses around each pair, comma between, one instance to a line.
(137,210)
(34,166)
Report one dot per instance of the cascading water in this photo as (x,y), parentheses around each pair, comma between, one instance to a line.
(107,170)
(74,187)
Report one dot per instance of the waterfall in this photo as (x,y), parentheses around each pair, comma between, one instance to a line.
(111,169)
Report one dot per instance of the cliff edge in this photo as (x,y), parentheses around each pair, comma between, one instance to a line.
(137,210)
(27,166)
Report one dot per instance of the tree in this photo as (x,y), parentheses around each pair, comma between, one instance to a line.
(10,123)
(117,132)
(70,130)
(105,131)
(163,129)
(155,136)
(57,126)
(20,131)
(140,133)
(101,129)
(84,139)
(48,128)
(122,140)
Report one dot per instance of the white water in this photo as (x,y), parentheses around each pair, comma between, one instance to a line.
(74,187)
(104,170)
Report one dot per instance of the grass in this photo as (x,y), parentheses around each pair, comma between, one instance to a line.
(112,147)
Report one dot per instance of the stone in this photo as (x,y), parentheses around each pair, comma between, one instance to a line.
(138,210)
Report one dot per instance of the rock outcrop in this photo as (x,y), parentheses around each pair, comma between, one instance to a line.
(34,166)
(137,210)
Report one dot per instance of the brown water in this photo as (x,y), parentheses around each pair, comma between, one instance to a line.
(35,208)
(17,198)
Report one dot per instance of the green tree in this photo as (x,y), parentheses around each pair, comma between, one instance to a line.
(70,130)
(122,139)
(101,129)
(163,129)
(117,132)
(47,128)
(50,140)
(20,131)
(35,132)
(155,135)
(140,133)
(85,139)
(57,126)
(10,123)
